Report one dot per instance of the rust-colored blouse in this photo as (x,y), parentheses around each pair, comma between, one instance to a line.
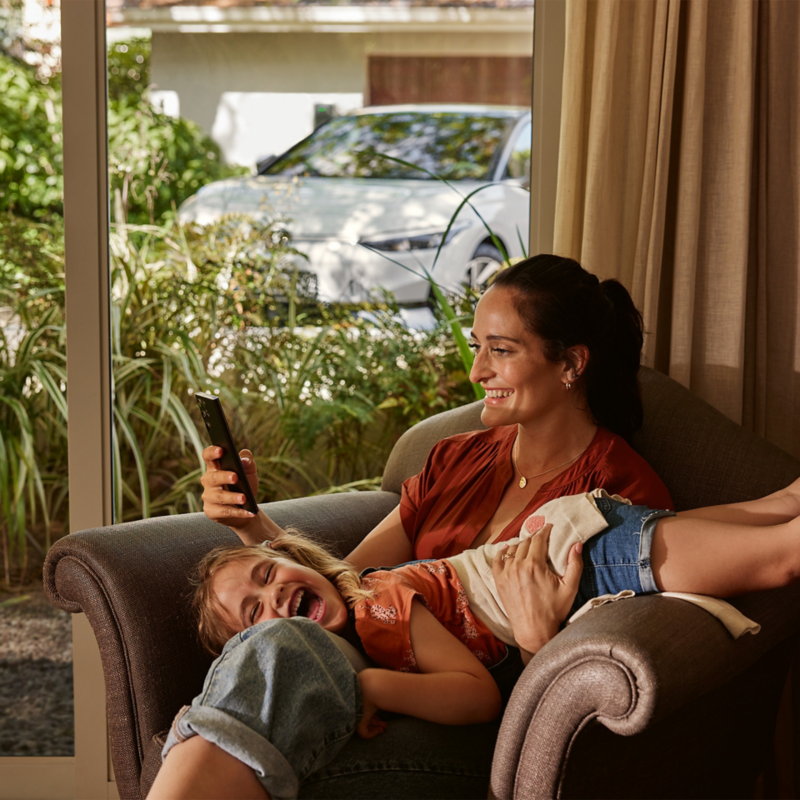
(445,507)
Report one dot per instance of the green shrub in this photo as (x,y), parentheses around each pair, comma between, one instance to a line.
(321,405)
(31,171)
(128,69)
(157,162)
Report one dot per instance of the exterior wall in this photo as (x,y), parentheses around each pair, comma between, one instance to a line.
(215,77)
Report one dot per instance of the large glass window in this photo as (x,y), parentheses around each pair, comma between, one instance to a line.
(36,708)
(282,195)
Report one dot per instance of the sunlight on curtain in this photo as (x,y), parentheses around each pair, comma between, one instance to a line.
(678,175)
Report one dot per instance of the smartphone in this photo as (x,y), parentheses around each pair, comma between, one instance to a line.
(220,433)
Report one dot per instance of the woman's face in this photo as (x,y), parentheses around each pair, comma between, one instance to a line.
(254,590)
(521,385)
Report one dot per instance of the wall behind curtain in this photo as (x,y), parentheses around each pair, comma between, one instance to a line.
(679,174)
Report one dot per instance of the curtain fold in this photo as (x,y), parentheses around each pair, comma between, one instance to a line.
(678,175)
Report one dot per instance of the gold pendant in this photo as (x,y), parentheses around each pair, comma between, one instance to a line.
(523,482)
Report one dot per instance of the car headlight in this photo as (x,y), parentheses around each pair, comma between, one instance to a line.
(416,241)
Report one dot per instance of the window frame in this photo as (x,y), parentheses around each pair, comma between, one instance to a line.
(88,775)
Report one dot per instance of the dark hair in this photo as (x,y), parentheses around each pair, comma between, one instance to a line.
(564,305)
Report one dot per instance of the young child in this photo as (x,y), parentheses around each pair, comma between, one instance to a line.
(434,627)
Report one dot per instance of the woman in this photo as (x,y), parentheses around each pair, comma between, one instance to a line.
(557,353)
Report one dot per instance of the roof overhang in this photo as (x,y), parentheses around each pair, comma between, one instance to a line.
(324,19)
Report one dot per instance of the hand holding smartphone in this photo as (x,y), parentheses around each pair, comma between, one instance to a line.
(220,434)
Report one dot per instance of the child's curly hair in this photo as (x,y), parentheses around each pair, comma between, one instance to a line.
(212,629)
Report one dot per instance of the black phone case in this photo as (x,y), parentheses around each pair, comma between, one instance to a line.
(220,434)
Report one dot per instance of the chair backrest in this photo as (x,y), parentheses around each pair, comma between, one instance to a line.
(703,457)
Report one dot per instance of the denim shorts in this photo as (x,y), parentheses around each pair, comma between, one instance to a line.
(619,557)
(283,697)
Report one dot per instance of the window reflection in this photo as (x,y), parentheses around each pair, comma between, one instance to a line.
(519,164)
(446,145)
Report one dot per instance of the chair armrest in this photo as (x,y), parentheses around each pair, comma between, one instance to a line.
(132,582)
(628,666)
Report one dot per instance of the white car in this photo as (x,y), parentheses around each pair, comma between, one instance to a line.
(367,222)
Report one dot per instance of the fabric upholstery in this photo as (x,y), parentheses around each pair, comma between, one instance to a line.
(131,580)
(633,696)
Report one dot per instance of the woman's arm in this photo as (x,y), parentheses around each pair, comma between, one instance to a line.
(221,505)
(541,599)
(454,688)
(386,545)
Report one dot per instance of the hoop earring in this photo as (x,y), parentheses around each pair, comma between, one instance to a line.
(568,385)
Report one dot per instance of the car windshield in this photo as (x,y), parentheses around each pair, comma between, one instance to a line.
(450,145)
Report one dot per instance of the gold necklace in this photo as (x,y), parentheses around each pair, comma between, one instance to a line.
(523,481)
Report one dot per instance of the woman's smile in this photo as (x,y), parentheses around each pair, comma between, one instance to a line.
(498,394)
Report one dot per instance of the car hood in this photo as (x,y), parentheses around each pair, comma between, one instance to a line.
(350,209)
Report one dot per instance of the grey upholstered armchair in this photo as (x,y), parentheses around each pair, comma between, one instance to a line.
(645,698)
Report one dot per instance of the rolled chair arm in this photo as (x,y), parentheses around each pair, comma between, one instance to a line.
(132,582)
(627,666)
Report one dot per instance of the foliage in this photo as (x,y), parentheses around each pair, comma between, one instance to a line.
(19,40)
(31,257)
(321,404)
(33,410)
(31,182)
(156,161)
(128,69)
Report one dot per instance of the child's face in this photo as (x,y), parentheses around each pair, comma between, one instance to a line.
(254,590)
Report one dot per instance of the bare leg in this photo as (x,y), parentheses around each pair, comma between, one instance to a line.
(775,508)
(721,559)
(199,770)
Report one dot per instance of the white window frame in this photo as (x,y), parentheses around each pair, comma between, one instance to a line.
(88,775)
(83,27)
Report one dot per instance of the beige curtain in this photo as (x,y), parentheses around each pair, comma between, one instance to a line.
(679,174)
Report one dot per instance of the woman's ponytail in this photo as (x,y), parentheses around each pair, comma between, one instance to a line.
(564,305)
(615,395)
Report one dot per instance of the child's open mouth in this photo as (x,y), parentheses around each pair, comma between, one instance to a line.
(307,604)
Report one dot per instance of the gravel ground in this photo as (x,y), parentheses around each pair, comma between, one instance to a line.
(36,706)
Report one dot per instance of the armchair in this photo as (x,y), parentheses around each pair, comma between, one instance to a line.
(645,698)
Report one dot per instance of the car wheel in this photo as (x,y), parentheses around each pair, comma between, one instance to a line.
(486,262)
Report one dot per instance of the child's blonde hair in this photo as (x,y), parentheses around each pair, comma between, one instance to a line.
(212,628)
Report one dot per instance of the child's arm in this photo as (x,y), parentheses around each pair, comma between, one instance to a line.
(454,687)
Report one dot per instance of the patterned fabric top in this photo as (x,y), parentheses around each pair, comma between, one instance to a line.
(383,621)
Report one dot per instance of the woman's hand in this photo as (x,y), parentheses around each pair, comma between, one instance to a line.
(221,505)
(537,599)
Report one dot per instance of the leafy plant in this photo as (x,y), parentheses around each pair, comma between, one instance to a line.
(157,161)
(31,171)
(33,416)
(128,69)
